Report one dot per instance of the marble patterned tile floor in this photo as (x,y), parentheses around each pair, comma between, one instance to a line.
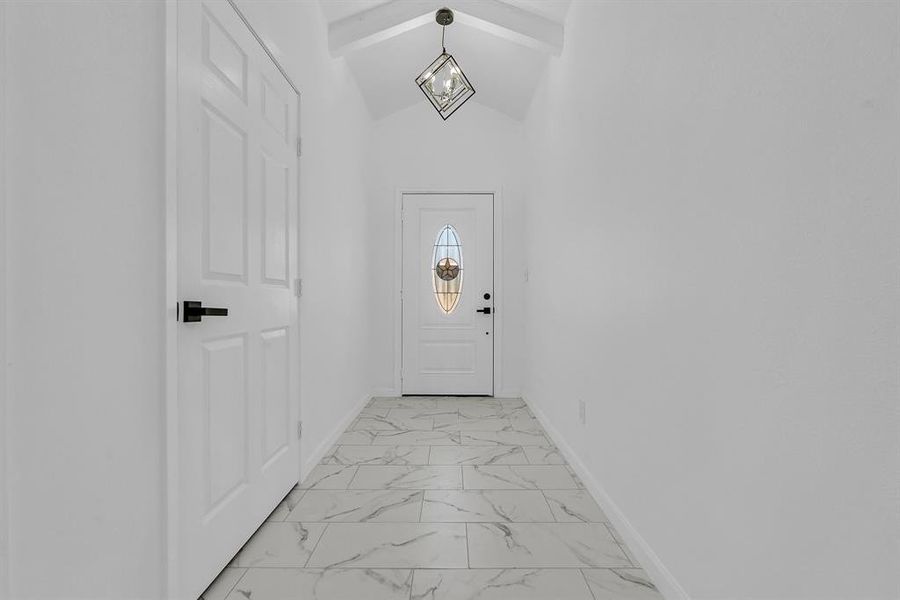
(445,498)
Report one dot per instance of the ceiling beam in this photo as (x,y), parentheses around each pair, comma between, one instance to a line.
(394,18)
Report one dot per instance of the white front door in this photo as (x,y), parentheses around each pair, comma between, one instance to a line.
(237,234)
(447,294)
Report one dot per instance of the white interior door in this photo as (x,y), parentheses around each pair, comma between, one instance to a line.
(447,294)
(237,235)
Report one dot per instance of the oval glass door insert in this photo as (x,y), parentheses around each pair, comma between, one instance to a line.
(447,269)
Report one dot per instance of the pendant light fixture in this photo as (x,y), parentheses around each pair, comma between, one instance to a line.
(443,82)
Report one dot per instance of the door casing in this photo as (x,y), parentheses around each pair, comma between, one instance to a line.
(499,297)
(171,433)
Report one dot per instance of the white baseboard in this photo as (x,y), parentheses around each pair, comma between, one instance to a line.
(319,453)
(386,393)
(659,574)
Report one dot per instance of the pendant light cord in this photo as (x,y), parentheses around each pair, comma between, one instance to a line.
(443,31)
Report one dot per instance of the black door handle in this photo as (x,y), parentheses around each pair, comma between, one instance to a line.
(194,312)
(486,310)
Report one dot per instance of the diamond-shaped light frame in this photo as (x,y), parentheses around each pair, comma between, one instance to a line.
(460,96)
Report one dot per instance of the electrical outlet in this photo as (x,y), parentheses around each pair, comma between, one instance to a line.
(582,412)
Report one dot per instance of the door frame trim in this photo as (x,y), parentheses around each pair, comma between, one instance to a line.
(397,288)
(170,433)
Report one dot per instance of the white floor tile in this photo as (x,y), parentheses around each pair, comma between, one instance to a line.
(391,423)
(494,411)
(320,584)
(574,506)
(517,477)
(378,455)
(483,424)
(392,546)
(499,584)
(446,421)
(544,455)
(403,403)
(528,425)
(417,438)
(503,438)
(419,478)
(354,506)
(511,545)
(621,584)
(280,545)
(357,438)
(287,505)
(224,583)
(418,413)
(465,403)
(485,506)
(329,477)
(478,455)
(512,402)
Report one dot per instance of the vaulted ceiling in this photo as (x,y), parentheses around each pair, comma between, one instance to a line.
(502,45)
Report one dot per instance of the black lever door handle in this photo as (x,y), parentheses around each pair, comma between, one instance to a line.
(194,311)
(486,310)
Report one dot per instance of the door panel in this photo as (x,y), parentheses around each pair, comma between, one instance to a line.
(237,248)
(225,417)
(447,352)
(275,397)
(275,230)
(224,154)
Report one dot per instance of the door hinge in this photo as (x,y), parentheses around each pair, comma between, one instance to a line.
(299,429)
(298,287)
(299,146)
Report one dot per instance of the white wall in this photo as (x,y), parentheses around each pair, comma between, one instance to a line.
(334,212)
(85,298)
(714,189)
(477,149)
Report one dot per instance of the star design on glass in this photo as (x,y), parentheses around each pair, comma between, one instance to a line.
(447,269)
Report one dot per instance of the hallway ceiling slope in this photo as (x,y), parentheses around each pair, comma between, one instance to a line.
(502,45)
